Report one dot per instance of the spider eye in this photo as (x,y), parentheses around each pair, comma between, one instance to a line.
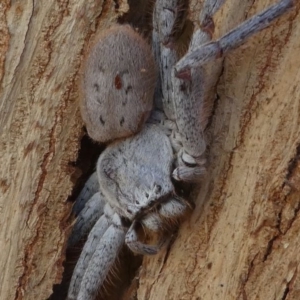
(129,211)
(147,195)
(137,202)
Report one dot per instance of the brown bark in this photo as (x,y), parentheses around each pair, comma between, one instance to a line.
(242,240)
(41,44)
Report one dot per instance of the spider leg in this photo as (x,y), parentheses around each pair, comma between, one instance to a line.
(161,221)
(193,102)
(103,259)
(168,21)
(208,10)
(194,88)
(90,188)
(97,257)
(87,218)
(233,39)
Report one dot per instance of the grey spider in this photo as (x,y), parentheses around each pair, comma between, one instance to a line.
(154,128)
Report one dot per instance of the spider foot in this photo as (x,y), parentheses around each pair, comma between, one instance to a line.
(138,247)
(189,169)
(162,222)
(189,174)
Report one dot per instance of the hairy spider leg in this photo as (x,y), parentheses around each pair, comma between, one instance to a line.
(90,188)
(103,259)
(194,88)
(98,256)
(233,39)
(189,115)
(87,218)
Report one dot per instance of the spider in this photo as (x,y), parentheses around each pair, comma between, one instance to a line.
(152,111)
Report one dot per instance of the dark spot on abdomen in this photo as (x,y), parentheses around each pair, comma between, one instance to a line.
(100,68)
(122,121)
(96,87)
(129,88)
(101,120)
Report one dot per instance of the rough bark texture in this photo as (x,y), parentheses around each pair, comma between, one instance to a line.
(41,44)
(242,241)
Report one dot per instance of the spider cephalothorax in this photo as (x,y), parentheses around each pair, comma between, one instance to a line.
(155,128)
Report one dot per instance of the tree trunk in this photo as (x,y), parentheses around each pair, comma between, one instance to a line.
(242,240)
(41,45)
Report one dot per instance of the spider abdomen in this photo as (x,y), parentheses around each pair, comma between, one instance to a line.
(118,82)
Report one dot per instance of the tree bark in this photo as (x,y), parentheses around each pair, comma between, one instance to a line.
(242,240)
(41,45)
